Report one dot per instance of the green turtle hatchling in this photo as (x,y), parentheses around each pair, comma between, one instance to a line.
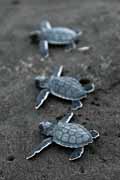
(64,87)
(47,34)
(63,133)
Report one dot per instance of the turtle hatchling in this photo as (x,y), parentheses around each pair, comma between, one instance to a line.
(47,34)
(64,87)
(70,135)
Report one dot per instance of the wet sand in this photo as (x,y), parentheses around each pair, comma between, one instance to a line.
(20,63)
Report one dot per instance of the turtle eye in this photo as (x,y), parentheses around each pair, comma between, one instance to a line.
(41,127)
(37,83)
(44,125)
(40,81)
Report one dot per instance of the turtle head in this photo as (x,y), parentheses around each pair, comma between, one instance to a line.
(35,36)
(41,81)
(46,128)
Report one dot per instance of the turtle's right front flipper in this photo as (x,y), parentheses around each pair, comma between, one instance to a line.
(41,98)
(57,71)
(45,25)
(43,47)
(68,116)
(45,143)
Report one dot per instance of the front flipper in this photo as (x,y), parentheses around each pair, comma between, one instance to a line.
(77,153)
(67,117)
(45,25)
(43,47)
(76,105)
(45,143)
(57,71)
(41,98)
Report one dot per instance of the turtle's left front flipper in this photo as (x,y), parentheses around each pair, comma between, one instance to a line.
(45,143)
(41,98)
(43,47)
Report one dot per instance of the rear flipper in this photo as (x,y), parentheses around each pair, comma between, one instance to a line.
(45,143)
(76,105)
(41,98)
(89,87)
(94,133)
(70,46)
(77,153)
(84,48)
(43,47)
(78,31)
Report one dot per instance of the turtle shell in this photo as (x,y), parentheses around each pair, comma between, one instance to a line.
(71,135)
(66,88)
(60,35)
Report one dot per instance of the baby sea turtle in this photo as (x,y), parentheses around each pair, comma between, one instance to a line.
(64,87)
(54,36)
(66,134)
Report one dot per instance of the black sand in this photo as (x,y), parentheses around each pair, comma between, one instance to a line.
(20,63)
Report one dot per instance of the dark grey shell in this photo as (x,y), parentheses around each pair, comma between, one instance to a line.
(71,135)
(66,88)
(60,35)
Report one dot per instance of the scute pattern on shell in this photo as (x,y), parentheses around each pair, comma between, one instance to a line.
(65,87)
(71,135)
(59,35)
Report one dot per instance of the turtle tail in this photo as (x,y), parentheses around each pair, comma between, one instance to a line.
(89,87)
